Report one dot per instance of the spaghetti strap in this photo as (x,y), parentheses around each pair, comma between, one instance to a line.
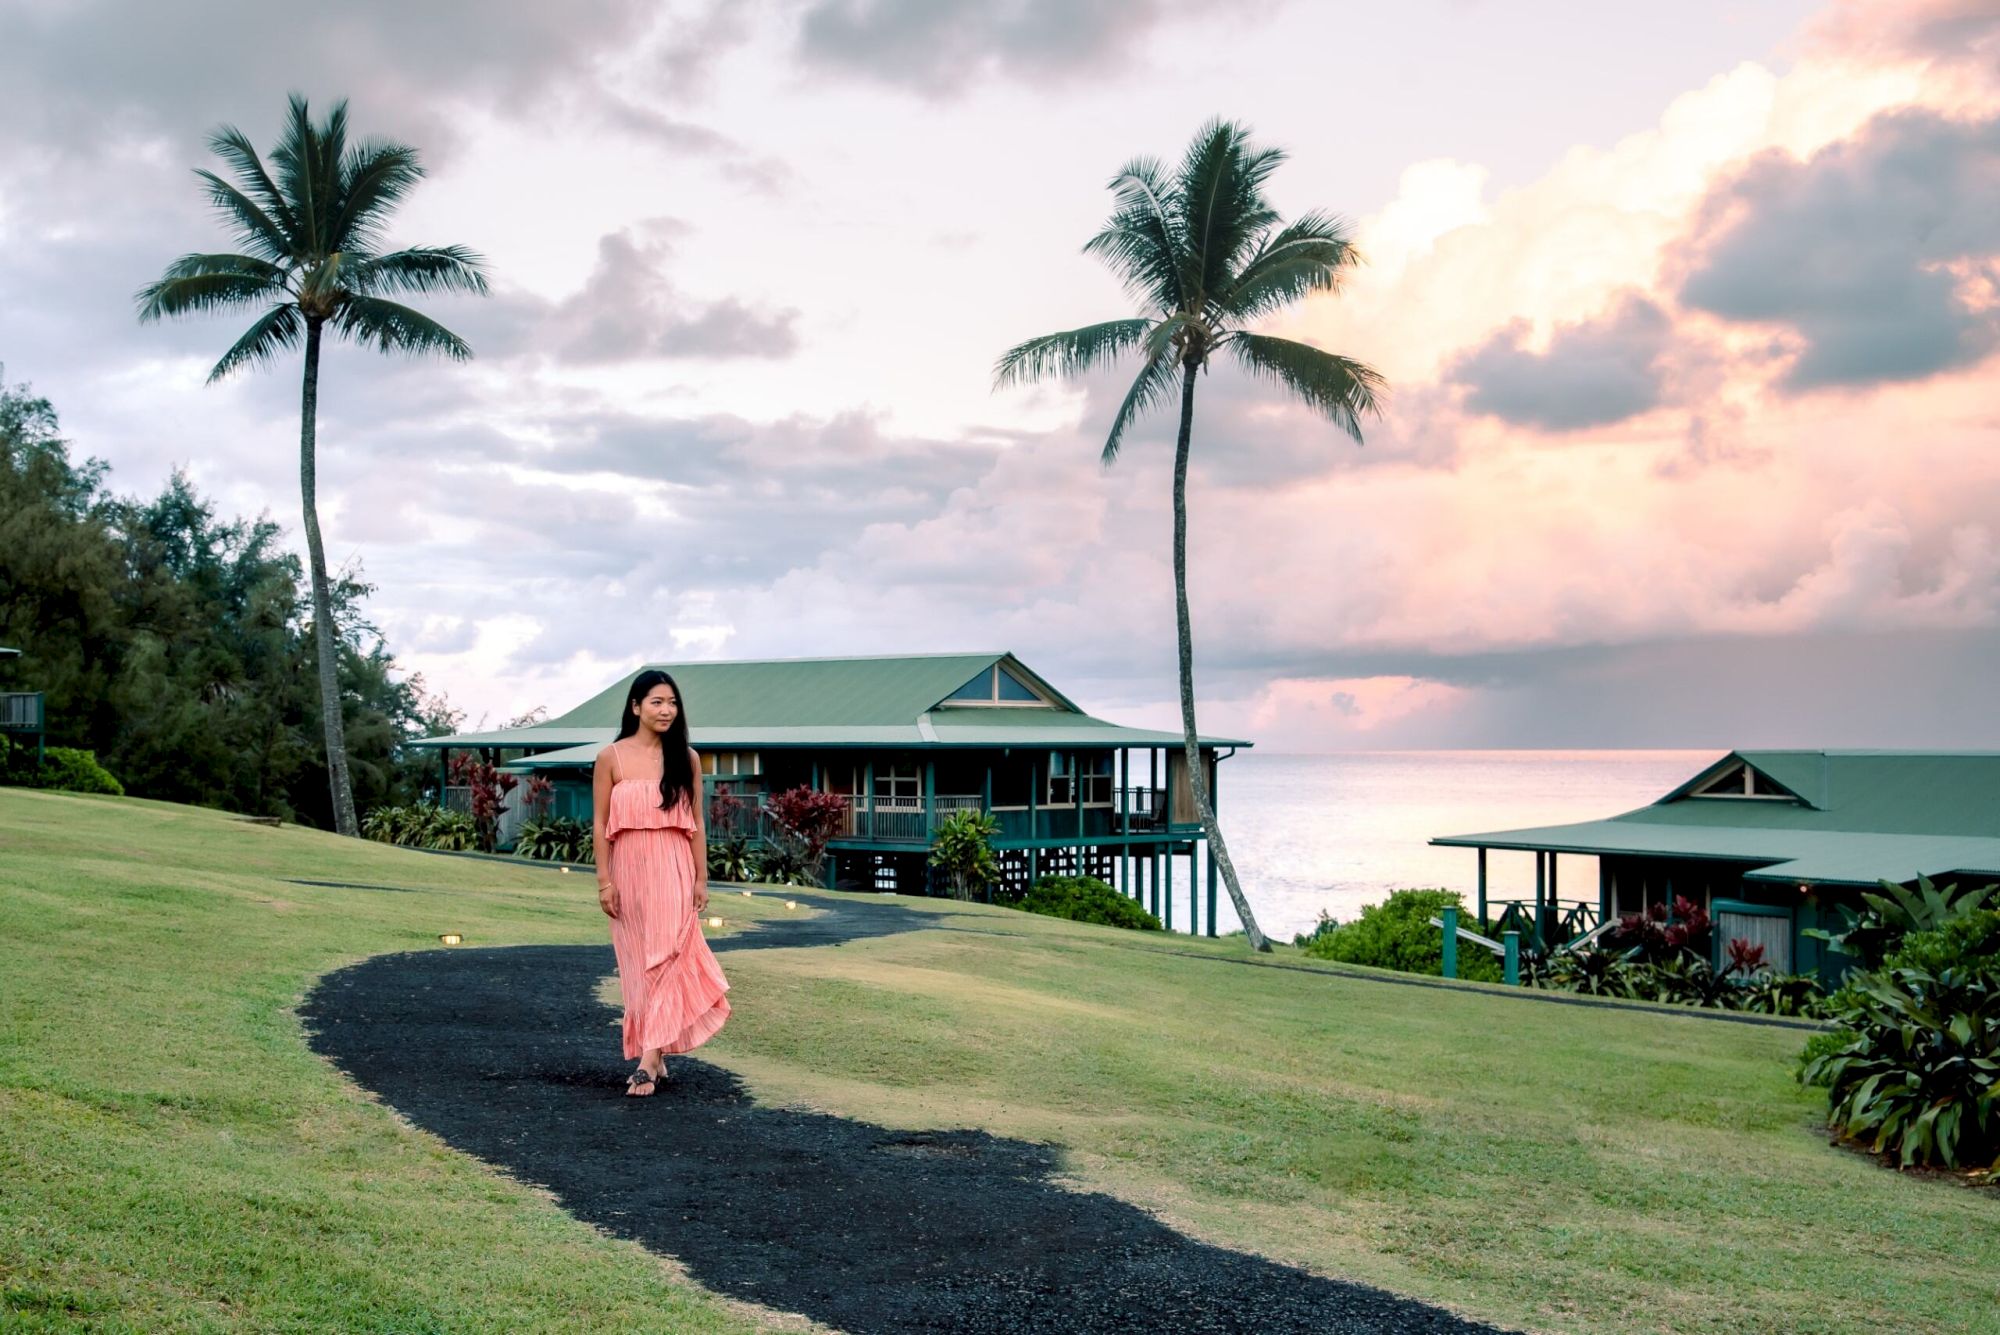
(614,762)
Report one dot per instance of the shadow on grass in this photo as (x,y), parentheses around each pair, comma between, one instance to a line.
(507,1055)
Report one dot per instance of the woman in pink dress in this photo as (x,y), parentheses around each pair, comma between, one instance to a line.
(652,881)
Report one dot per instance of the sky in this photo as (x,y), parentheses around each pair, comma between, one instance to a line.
(1688,313)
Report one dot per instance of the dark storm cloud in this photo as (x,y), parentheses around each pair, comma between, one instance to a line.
(1871,251)
(938,47)
(1592,374)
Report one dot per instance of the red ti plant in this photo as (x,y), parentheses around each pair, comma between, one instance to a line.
(807,819)
(1744,958)
(725,809)
(1660,935)
(537,796)
(488,789)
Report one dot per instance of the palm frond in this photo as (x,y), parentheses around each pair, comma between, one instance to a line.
(253,226)
(279,329)
(1069,353)
(373,177)
(196,284)
(390,327)
(1339,388)
(1143,241)
(307,159)
(234,147)
(1220,187)
(422,270)
(1311,254)
(1154,383)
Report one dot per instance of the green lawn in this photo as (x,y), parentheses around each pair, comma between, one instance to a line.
(175,1157)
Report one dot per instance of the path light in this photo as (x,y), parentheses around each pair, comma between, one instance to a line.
(746,894)
(715,922)
(565,871)
(450,938)
(791,903)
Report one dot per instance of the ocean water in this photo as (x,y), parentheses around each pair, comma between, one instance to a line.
(1334,832)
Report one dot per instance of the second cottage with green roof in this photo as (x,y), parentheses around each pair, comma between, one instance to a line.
(1771,844)
(907,741)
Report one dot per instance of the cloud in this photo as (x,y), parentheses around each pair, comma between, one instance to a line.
(1880,254)
(940,47)
(1591,374)
(629,310)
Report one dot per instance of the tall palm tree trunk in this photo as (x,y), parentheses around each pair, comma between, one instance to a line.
(1204,806)
(323,632)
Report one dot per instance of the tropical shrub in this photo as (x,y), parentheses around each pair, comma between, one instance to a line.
(1086,899)
(451,831)
(555,839)
(783,863)
(731,858)
(73,771)
(1873,934)
(1397,934)
(962,848)
(1326,923)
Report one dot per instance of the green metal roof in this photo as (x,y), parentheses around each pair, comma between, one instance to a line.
(847,702)
(1858,817)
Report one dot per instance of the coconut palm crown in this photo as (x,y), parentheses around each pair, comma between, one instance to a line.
(1206,257)
(311,231)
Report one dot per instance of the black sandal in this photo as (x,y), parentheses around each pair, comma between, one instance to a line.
(643,1077)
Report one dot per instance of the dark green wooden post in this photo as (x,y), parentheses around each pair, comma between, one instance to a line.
(444,773)
(1450,917)
(1482,889)
(1076,792)
(1511,970)
(1541,900)
(1034,796)
(1167,894)
(833,871)
(1211,892)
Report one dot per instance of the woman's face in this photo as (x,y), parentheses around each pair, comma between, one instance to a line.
(658,709)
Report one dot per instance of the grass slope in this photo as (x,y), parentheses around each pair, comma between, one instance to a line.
(175,1157)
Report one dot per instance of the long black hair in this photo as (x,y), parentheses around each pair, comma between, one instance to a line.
(677,776)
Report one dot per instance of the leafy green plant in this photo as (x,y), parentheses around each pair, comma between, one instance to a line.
(553,839)
(962,848)
(1872,935)
(731,858)
(450,831)
(783,862)
(1086,899)
(1397,934)
(1326,923)
(1823,1044)
(74,771)
(1917,1071)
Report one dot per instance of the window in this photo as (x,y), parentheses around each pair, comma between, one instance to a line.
(1741,781)
(1089,773)
(899,784)
(996,686)
(730,764)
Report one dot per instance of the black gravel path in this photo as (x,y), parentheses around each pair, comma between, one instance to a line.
(507,1055)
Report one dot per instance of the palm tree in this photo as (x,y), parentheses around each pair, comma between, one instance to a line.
(1206,256)
(311,233)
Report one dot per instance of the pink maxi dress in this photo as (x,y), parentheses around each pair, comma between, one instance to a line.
(672,986)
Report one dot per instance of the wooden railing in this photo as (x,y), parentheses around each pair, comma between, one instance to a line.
(1566,921)
(20,711)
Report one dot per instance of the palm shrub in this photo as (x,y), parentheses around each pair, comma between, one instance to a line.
(1918,1076)
(555,839)
(783,863)
(1207,259)
(1086,899)
(963,850)
(1898,911)
(1397,934)
(313,262)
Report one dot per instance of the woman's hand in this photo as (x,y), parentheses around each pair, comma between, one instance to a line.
(701,896)
(607,899)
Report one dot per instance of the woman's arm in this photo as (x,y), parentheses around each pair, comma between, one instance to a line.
(600,812)
(699,801)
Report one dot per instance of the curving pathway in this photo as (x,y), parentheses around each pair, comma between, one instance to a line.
(507,1055)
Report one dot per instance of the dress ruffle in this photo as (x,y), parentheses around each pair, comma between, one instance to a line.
(635,805)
